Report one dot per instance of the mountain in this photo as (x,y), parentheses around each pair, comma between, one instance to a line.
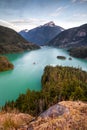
(7,24)
(73,37)
(42,34)
(11,41)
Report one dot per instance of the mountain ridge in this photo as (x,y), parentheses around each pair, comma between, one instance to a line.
(42,34)
(72,37)
(11,41)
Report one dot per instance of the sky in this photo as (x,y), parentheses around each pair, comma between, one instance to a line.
(27,14)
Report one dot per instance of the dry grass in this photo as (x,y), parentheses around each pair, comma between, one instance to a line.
(74,119)
(12,121)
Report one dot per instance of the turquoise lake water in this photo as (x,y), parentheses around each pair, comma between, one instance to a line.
(28,70)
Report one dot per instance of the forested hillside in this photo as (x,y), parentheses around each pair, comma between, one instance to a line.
(58,83)
(79,52)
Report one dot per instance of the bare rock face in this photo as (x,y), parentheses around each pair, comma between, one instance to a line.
(55,111)
(5,64)
(81,33)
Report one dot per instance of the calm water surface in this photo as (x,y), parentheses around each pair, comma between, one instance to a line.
(28,70)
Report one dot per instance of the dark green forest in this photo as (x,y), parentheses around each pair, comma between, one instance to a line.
(58,83)
(79,52)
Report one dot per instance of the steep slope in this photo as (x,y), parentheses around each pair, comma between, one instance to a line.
(73,37)
(11,41)
(42,34)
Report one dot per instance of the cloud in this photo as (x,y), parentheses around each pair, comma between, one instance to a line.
(58,11)
(28,23)
(77,19)
(73,1)
(79,1)
(79,15)
(7,24)
(82,0)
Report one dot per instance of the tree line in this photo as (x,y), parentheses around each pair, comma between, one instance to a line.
(58,84)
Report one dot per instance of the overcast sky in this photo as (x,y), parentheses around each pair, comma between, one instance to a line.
(31,13)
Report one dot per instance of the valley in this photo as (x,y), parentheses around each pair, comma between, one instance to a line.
(43,65)
(28,75)
(38,80)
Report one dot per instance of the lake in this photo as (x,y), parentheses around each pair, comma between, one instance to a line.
(29,67)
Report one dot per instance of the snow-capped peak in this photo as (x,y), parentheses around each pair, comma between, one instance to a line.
(26,30)
(51,24)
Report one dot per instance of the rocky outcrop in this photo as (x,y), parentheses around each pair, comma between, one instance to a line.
(66,115)
(5,64)
(74,37)
(42,34)
(11,42)
(55,111)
